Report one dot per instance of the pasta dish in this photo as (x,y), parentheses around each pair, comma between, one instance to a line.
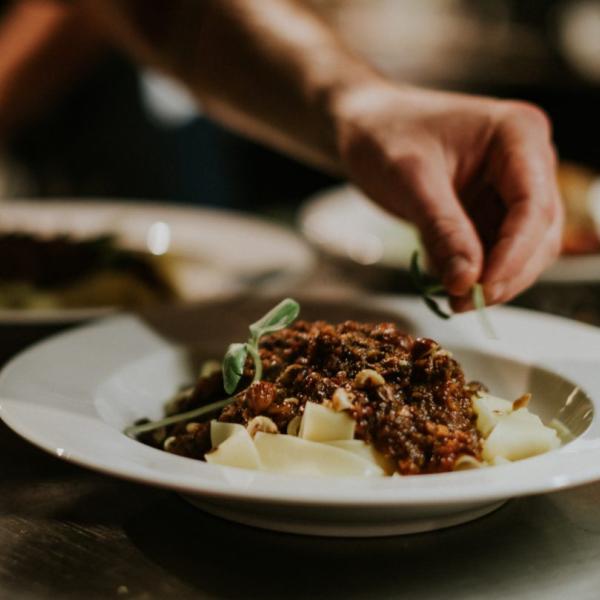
(356,399)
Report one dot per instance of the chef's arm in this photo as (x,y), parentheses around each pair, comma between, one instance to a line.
(476,175)
(45,46)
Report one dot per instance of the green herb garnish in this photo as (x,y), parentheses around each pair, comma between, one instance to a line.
(479,304)
(277,318)
(426,286)
(234,361)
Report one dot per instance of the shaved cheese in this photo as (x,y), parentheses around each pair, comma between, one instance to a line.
(519,435)
(323,424)
(489,409)
(238,450)
(288,454)
(219,431)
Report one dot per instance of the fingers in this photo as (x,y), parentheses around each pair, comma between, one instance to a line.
(522,169)
(447,232)
(524,279)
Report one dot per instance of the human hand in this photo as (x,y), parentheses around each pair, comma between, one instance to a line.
(475,175)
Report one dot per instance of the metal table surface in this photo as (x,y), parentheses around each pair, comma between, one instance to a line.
(66,532)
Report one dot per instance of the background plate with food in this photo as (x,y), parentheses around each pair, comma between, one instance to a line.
(66,260)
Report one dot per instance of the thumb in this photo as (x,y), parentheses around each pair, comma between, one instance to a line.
(448,234)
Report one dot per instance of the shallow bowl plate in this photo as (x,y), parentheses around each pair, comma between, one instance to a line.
(73,394)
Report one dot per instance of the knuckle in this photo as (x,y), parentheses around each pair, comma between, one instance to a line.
(536,211)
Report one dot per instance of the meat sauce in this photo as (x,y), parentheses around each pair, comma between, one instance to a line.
(409,396)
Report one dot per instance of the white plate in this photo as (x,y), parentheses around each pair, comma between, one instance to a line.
(343,223)
(72,395)
(219,252)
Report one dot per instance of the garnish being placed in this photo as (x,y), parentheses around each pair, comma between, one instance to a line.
(235,358)
(479,304)
(427,287)
(352,399)
(282,315)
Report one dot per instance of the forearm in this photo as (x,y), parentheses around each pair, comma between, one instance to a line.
(268,68)
(44,45)
(271,69)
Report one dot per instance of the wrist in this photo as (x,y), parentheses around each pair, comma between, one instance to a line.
(353,108)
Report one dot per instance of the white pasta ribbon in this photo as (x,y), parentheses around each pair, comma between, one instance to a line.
(293,455)
(238,450)
(519,435)
(511,434)
(323,424)
(219,432)
(489,409)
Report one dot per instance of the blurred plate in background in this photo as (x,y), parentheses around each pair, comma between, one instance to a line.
(209,253)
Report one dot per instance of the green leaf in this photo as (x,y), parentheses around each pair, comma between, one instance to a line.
(277,318)
(479,304)
(435,307)
(233,366)
(424,288)
(415,272)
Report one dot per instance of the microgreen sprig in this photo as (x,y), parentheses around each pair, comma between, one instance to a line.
(426,286)
(277,318)
(479,304)
(234,361)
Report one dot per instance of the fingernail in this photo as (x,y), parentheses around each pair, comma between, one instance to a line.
(456,268)
(495,291)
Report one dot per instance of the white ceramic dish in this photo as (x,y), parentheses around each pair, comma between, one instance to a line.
(72,395)
(218,252)
(344,224)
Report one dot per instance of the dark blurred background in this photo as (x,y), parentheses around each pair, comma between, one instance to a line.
(84,121)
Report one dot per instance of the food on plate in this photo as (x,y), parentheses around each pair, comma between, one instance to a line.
(581,234)
(61,271)
(361,399)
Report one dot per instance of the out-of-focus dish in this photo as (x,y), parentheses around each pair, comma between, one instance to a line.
(344,224)
(75,394)
(172,253)
(61,272)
